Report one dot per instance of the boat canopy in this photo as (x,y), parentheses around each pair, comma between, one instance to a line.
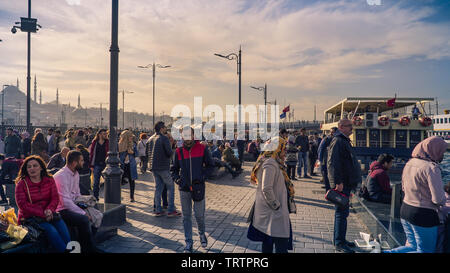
(373,104)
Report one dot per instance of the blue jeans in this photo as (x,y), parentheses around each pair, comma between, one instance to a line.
(57,234)
(163,178)
(419,239)
(199,211)
(302,160)
(97,174)
(340,222)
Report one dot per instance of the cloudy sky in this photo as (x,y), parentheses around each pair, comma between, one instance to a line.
(308,52)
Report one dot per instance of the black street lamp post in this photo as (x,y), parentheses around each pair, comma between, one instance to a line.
(29,25)
(264,89)
(113,173)
(238,58)
(153,66)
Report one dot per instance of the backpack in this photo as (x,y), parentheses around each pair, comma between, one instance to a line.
(363,191)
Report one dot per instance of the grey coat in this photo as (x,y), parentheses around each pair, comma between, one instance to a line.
(159,152)
(271,214)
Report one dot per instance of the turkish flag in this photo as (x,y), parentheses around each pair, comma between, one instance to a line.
(391,102)
(286,109)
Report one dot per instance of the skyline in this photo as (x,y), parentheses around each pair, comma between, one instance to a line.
(308,52)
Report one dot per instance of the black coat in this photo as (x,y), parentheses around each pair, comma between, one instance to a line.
(159,152)
(342,165)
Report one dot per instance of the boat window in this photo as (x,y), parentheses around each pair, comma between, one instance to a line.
(442,120)
(361,140)
(446,120)
(374,138)
(414,138)
(400,139)
(386,139)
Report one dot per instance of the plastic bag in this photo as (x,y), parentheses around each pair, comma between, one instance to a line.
(9,216)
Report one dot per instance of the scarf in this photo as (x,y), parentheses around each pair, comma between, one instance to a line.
(273,148)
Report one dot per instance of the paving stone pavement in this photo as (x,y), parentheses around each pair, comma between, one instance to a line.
(228,203)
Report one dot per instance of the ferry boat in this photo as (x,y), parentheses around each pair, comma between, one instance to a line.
(381,125)
(441,126)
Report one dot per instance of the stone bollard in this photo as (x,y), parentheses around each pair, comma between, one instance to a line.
(396,199)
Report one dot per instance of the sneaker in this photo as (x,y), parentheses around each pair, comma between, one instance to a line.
(306,176)
(344,248)
(295,179)
(158,214)
(204,240)
(174,213)
(188,248)
(234,175)
(132,200)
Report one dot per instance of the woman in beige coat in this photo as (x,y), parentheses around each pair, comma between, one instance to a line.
(270,223)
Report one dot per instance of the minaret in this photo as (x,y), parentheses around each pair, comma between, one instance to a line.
(40,96)
(17,83)
(35,88)
(79,101)
(57,97)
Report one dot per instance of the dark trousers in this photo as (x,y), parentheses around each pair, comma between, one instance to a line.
(83,225)
(163,197)
(127,174)
(326,181)
(241,153)
(291,171)
(219,163)
(312,162)
(144,163)
(281,245)
(340,221)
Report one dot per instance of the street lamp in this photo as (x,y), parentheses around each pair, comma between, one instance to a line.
(264,89)
(101,112)
(238,58)
(153,66)
(123,108)
(3,101)
(112,173)
(29,25)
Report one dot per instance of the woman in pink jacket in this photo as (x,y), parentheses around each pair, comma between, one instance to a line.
(424,196)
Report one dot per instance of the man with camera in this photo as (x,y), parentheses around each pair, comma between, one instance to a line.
(190,167)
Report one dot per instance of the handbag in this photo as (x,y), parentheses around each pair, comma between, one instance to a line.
(337,198)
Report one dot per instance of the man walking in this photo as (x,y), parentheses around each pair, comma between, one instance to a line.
(68,184)
(12,144)
(159,152)
(302,144)
(344,173)
(191,164)
(323,157)
(97,158)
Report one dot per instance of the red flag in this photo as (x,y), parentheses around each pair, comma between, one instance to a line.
(286,109)
(391,102)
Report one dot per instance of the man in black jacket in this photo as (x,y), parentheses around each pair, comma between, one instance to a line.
(344,173)
(323,157)
(302,144)
(159,152)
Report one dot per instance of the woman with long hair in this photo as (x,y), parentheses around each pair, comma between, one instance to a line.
(37,199)
(127,152)
(39,146)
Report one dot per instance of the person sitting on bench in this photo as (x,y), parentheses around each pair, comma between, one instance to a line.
(378,184)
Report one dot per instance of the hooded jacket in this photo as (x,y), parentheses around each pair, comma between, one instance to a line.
(421,177)
(379,182)
(196,158)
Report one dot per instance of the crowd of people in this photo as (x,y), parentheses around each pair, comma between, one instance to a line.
(47,176)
